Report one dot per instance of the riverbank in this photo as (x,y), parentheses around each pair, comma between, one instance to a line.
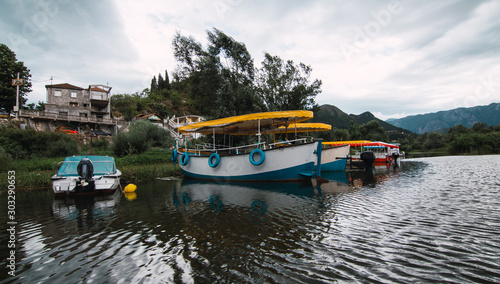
(34,174)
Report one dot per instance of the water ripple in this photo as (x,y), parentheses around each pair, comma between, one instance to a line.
(433,220)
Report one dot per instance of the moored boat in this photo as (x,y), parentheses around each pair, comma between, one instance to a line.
(290,161)
(380,152)
(86,175)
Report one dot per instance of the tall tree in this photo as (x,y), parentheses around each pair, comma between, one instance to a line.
(9,67)
(154,84)
(223,73)
(286,86)
(160,82)
(236,94)
(197,71)
(167,82)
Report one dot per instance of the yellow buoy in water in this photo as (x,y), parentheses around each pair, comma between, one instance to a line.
(130,195)
(130,188)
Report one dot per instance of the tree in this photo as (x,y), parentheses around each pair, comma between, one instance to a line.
(434,140)
(127,105)
(196,72)
(160,82)
(167,82)
(286,86)
(9,67)
(235,94)
(223,74)
(154,84)
(480,127)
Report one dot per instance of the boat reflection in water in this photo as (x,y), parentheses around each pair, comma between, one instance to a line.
(261,198)
(87,211)
(219,195)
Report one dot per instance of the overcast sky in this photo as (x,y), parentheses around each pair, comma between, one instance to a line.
(392,58)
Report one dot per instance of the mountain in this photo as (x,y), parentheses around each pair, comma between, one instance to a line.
(437,121)
(337,118)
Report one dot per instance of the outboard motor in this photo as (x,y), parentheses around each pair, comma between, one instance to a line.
(85,171)
(368,158)
(395,157)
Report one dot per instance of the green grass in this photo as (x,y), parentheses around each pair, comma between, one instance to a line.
(35,173)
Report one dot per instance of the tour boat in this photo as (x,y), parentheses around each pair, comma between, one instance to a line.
(280,161)
(384,153)
(85,175)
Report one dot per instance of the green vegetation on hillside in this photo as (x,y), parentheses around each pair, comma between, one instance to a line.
(341,121)
(480,139)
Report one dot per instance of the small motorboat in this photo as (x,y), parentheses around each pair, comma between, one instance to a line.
(86,175)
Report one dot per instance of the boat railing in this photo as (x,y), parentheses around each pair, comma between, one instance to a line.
(202,149)
(288,142)
(58,166)
(229,150)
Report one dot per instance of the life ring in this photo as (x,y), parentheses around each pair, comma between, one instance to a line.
(217,160)
(185,158)
(174,156)
(262,157)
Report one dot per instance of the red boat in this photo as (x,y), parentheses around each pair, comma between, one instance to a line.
(385,153)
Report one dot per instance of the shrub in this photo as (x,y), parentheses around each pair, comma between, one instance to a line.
(142,136)
(22,144)
(6,159)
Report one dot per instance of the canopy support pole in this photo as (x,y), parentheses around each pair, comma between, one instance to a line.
(258,134)
(295,128)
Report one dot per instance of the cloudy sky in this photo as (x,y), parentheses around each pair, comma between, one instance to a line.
(393,58)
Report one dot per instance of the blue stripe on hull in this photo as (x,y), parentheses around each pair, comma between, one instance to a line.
(287,174)
(335,166)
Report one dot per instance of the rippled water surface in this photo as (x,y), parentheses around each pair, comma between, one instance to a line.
(432,220)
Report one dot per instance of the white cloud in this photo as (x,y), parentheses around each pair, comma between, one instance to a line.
(416,58)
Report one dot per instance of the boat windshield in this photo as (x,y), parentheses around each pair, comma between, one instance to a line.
(103,165)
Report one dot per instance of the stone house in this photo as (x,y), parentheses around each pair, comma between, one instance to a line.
(67,100)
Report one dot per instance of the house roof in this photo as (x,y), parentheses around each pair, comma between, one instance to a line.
(149,116)
(64,86)
(96,89)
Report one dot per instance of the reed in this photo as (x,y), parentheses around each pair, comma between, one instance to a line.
(34,174)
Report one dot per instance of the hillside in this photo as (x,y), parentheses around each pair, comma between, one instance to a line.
(467,117)
(338,119)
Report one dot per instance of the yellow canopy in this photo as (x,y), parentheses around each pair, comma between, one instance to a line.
(248,123)
(352,143)
(302,127)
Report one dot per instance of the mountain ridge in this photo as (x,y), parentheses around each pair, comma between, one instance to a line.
(334,116)
(429,122)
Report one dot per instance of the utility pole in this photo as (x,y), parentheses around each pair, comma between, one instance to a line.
(17,98)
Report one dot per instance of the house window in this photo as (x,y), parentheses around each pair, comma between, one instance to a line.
(73,94)
(85,105)
(96,96)
(73,104)
(82,114)
(57,93)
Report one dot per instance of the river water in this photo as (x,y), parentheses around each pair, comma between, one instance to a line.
(432,220)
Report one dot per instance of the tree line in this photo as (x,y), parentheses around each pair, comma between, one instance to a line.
(478,140)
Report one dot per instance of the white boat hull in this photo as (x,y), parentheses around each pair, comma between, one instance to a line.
(334,159)
(294,162)
(67,185)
